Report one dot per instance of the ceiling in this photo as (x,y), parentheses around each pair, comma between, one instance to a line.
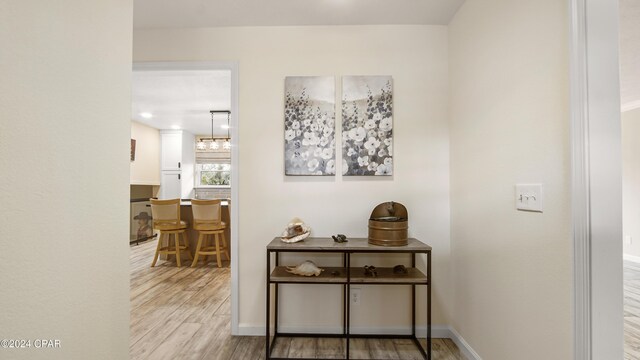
(211,13)
(630,54)
(182,99)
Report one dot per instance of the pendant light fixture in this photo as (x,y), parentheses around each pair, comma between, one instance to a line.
(213,141)
(227,143)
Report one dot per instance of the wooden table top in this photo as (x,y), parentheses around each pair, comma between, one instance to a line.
(320,244)
(188,203)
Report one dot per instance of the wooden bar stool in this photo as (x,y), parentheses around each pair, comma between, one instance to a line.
(207,219)
(166,219)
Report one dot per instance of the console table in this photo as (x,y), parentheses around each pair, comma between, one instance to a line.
(345,276)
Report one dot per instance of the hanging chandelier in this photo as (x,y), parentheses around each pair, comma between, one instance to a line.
(213,141)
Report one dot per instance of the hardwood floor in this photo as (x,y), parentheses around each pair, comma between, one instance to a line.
(184,313)
(631,310)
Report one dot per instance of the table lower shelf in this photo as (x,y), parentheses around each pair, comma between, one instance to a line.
(338,275)
(421,345)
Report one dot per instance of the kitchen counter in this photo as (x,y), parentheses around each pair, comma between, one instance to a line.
(224,203)
(187,215)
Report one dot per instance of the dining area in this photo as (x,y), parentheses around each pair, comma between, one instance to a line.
(180,284)
(193,230)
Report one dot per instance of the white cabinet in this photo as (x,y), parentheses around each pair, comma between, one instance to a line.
(177,163)
(170,185)
(171,151)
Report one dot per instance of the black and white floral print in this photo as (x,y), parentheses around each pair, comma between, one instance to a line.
(367,125)
(309,125)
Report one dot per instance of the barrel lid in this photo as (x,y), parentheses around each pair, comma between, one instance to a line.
(389,211)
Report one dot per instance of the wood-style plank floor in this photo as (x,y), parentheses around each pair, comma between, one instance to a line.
(631,310)
(184,313)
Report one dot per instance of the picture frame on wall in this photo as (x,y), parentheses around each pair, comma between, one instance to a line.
(367,126)
(309,126)
(133,149)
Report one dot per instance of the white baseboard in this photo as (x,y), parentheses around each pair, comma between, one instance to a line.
(437,331)
(631,258)
(465,349)
(250,330)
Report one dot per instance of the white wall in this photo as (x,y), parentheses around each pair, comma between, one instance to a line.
(416,57)
(145,170)
(631,180)
(64,132)
(512,271)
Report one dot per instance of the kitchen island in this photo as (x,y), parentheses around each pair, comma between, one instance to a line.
(186,214)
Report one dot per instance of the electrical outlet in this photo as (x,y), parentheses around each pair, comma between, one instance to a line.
(628,240)
(356,294)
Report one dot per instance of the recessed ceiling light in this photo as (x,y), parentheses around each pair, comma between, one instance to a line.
(224,126)
(146,115)
(175,127)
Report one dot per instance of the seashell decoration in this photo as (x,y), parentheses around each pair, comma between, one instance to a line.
(307,268)
(296,231)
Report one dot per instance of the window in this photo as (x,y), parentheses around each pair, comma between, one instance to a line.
(213,174)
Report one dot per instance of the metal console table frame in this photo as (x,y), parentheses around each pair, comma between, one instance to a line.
(347,277)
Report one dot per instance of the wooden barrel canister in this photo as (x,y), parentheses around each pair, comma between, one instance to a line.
(389,224)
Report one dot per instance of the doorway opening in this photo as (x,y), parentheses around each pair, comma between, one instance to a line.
(180,112)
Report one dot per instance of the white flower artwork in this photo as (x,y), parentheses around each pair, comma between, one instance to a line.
(309,120)
(367,125)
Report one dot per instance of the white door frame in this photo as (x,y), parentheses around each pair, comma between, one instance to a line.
(235,161)
(596,180)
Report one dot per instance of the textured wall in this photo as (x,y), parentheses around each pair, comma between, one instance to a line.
(512,270)
(65,106)
(145,170)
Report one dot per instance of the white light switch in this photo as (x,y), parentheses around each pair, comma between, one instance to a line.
(529,197)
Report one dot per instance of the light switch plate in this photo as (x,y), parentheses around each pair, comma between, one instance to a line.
(529,197)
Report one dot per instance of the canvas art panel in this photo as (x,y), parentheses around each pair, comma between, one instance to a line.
(367,125)
(309,126)
(133,149)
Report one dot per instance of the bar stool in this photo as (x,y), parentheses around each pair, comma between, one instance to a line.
(166,219)
(207,219)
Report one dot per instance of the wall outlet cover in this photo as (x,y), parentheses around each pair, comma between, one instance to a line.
(356,295)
